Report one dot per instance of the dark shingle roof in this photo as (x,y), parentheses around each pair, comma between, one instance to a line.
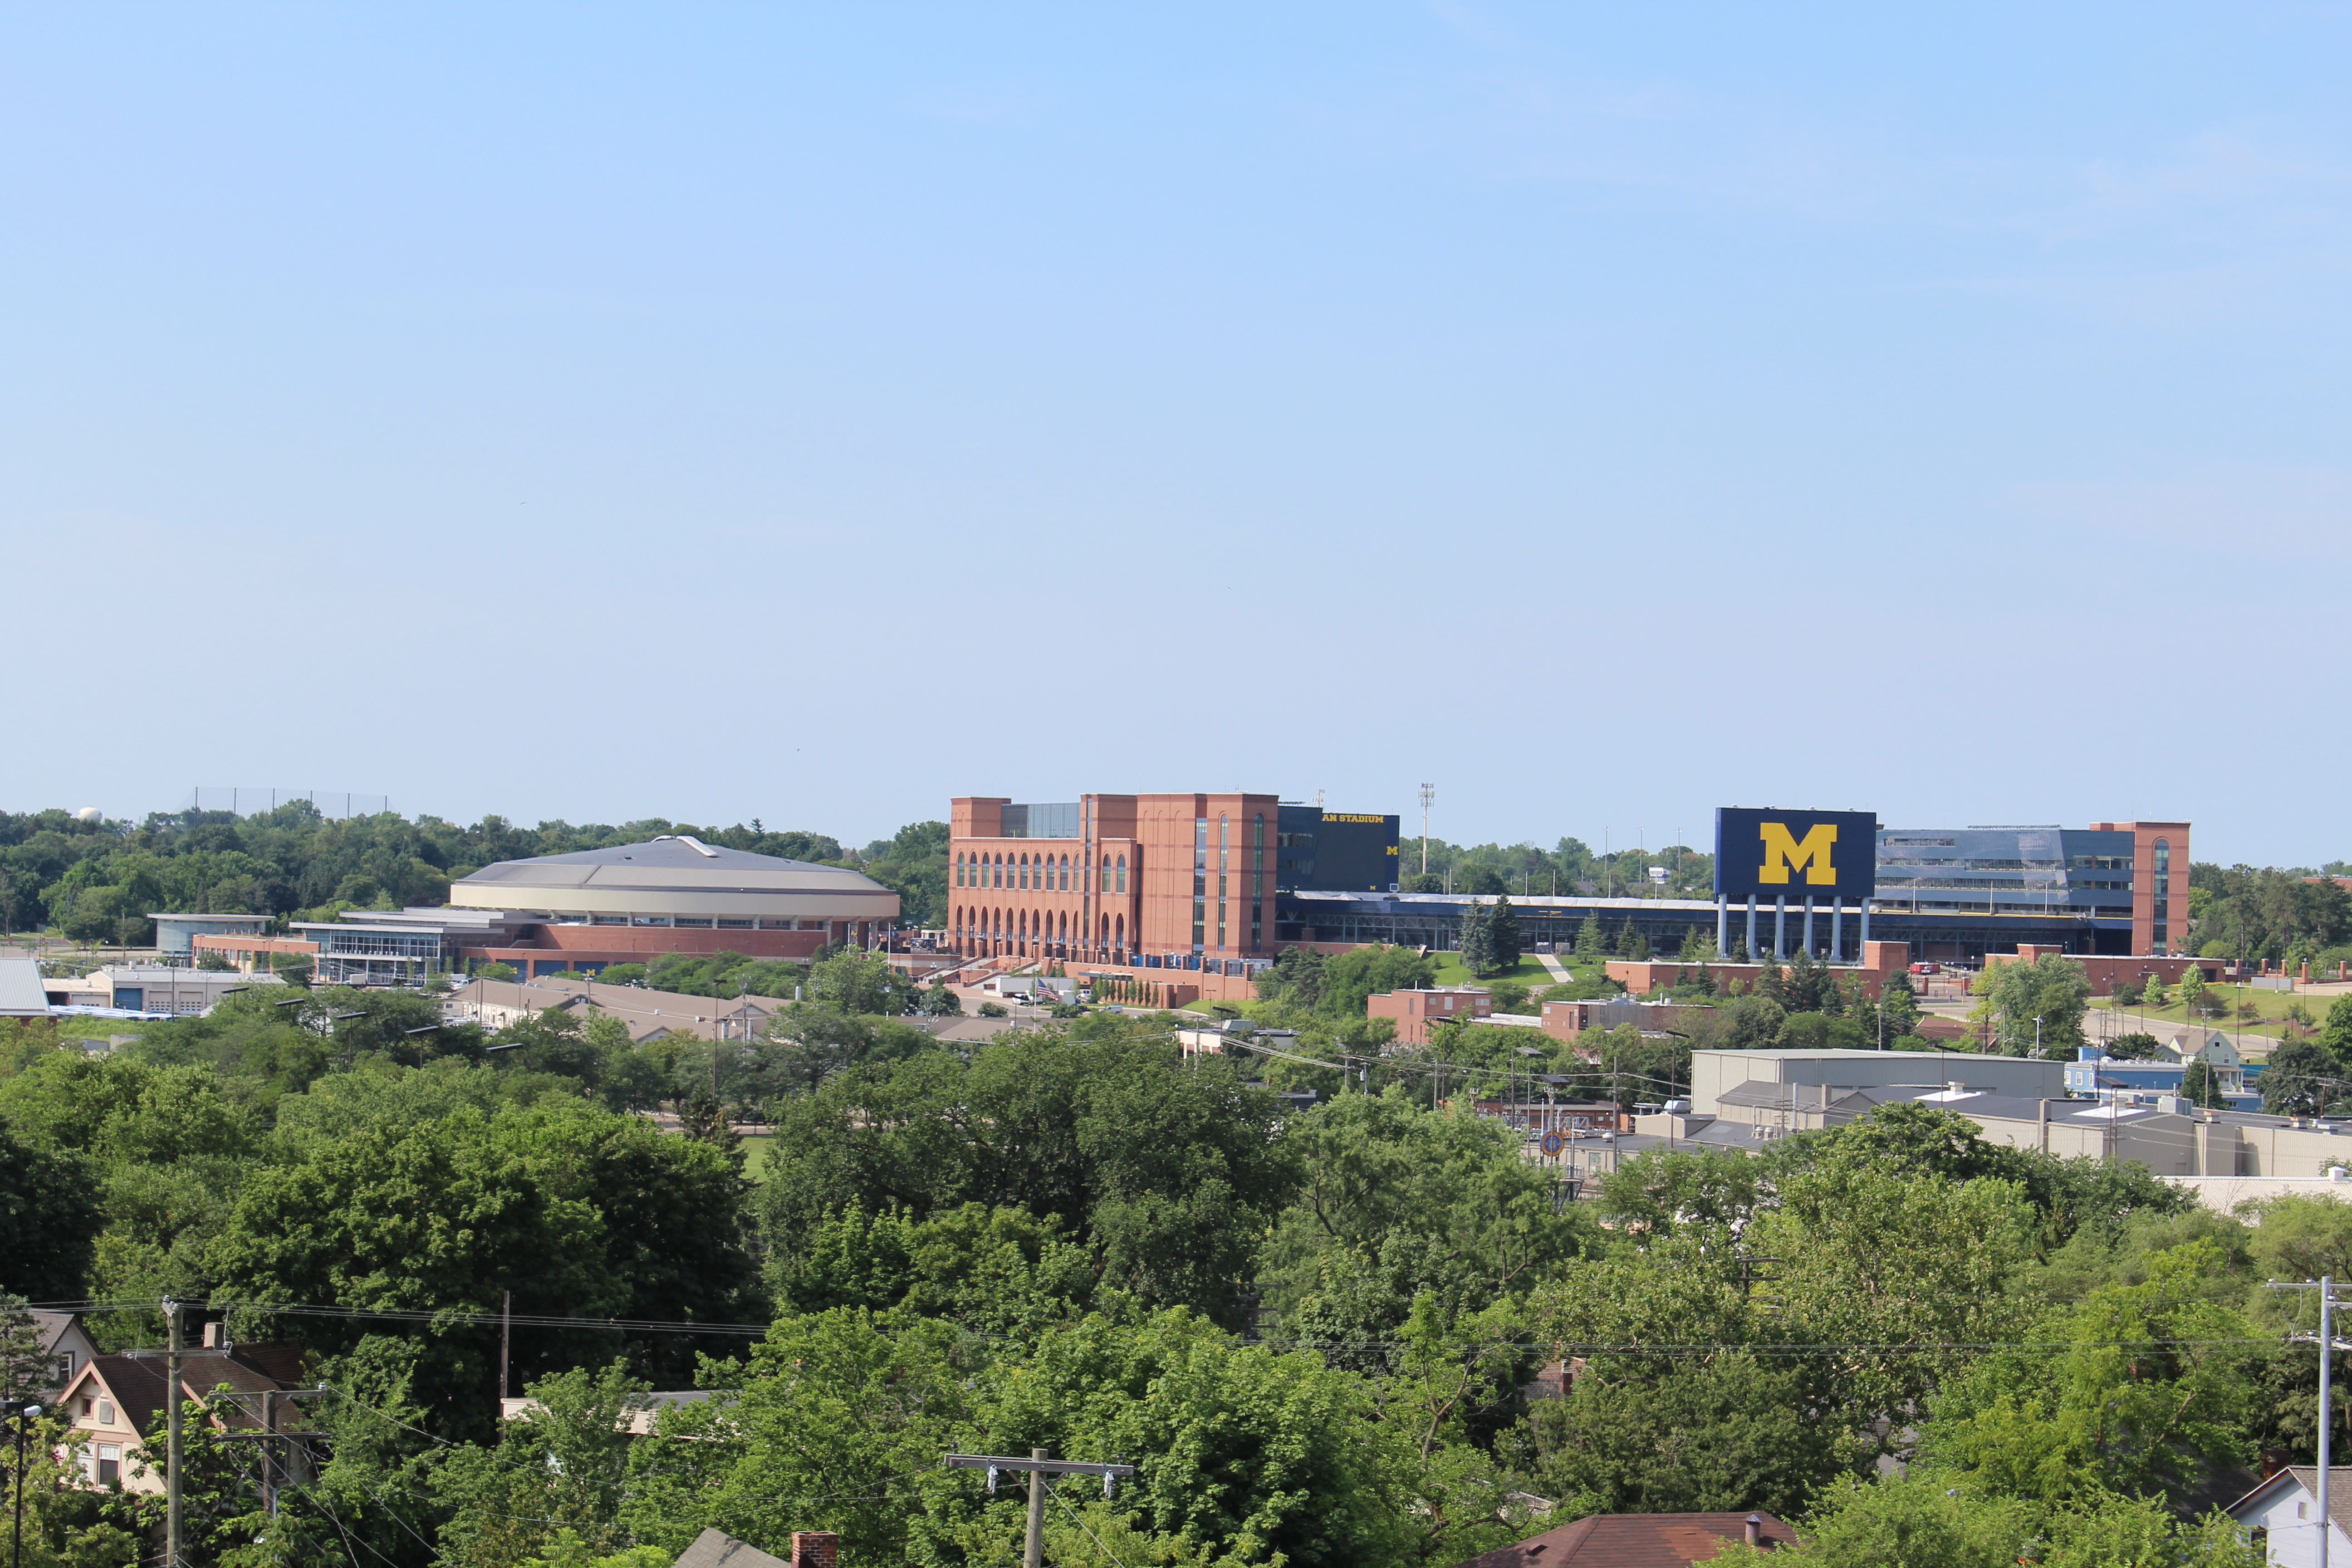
(716,1548)
(138,1381)
(1627,1541)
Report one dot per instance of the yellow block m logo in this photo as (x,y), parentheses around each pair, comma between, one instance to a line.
(1783,853)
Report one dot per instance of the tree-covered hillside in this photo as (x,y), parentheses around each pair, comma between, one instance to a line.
(95,881)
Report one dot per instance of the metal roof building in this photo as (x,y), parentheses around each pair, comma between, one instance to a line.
(633,902)
(21,992)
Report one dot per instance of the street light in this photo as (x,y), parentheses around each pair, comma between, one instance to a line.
(24,1413)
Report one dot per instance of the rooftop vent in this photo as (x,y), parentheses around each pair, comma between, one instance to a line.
(690,841)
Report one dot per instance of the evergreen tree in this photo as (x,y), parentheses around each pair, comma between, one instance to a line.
(1898,1007)
(2202,1087)
(1590,943)
(1478,939)
(1807,987)
(1634,944)
(2336,1031)
(1502,935)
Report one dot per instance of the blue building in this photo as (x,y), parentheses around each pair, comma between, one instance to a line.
(2096,1076)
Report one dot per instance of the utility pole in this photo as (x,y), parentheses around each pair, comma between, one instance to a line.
(506,1341)
(2325,1286)
(1033,1552)
(172,1437)
(1428,798)
(1032,1546)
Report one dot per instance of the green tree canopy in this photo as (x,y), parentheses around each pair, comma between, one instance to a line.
(2050,993)
(1168,1171)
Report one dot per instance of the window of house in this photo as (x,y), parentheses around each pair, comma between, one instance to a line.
(106,1413)
(109,1464)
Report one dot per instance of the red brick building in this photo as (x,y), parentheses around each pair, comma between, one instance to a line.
(1417,1012)
(2160,857)
(1115,879)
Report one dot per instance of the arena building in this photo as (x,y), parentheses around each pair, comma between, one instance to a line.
(631,903)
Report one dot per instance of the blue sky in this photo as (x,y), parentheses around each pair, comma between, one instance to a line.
(813,413)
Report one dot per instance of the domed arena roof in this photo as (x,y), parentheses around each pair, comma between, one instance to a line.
(674,876)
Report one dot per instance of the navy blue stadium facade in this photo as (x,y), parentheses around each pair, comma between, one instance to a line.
(1434,921)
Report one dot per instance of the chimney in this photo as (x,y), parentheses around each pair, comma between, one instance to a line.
(815,1547)
(213,1339)
(1755,1529)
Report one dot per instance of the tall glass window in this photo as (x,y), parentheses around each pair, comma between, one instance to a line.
(2160,903)
(1224,834)
(1106,887)
(1200,881)
(1122,873)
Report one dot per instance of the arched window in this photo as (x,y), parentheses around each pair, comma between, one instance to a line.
(996,872)
(1061,872)
(1023,872)
(1106,887)
(1122,873)
(959,881)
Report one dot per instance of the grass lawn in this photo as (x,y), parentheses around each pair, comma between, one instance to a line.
(1529,973)
(759,1149)
(2272,1005)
